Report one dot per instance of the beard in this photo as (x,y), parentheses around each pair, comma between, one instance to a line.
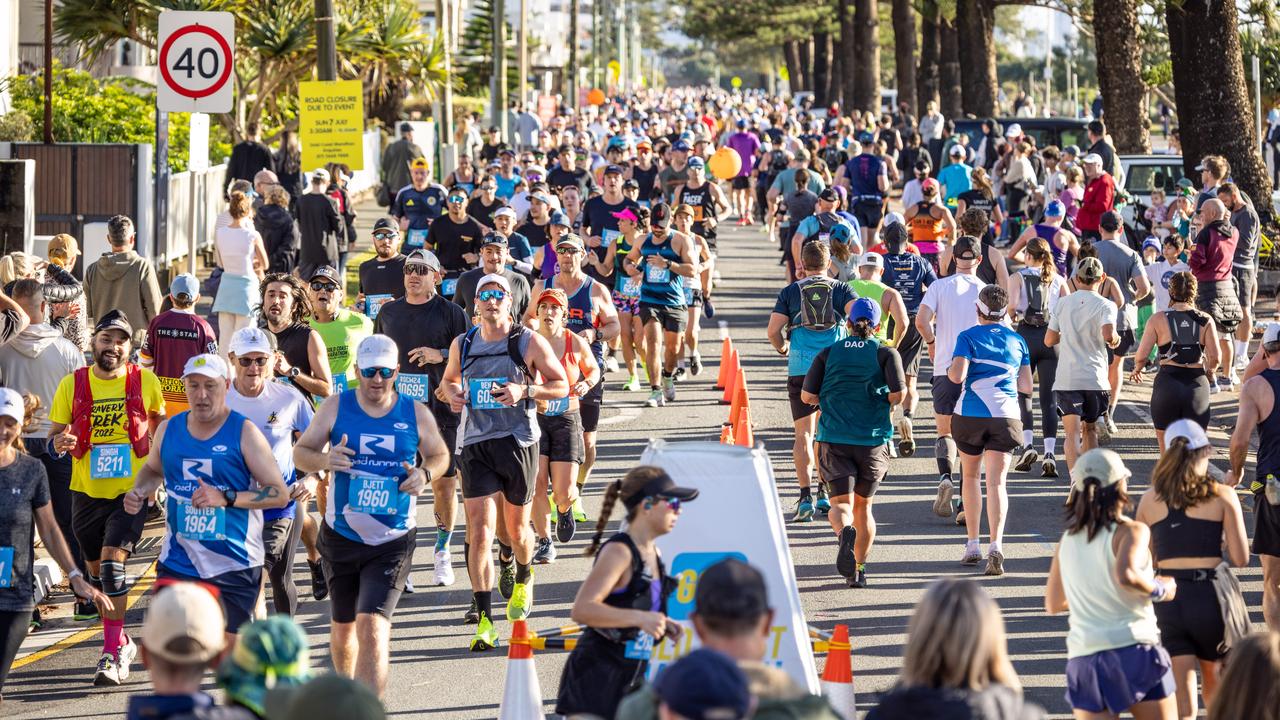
(108,361)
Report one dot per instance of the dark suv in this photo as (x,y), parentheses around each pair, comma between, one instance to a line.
(1046,131)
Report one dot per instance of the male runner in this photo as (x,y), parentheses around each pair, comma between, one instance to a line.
(381,275)
(303,359)
(495,254)
(1121,263)
(867,179)
(418,205)
(455,239)
(219,474)
(382,449)
(494,371)
(174,337)
(909,274)
(104,416)
(708,201)
(340,329)
(600,225)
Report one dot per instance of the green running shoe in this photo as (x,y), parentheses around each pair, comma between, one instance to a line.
(633,384)
(521,601)
(506,578)
(486,637)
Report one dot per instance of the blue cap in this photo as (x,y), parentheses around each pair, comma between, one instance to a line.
(1055,209)
(865,309)
(185,284)
(704,684)
(559,218)
(1152,242)
(697,162)
(866,137)
(681,146)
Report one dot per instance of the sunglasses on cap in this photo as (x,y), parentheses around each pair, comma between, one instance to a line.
(248,362)
(487,295)
(417,269)
(385,373)
(323,286)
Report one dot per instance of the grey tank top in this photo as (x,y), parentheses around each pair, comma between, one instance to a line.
(486,367)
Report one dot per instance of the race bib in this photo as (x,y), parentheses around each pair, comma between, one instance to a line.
(607,236)
(416,238)
(373,495)
(481,393)
(373,304)
(556,407)
(200,524)
(339,383)
(110,461)
(655,274)
(416,387)
(6,567)
(631,288)
(448,287)
(641,648)
(824,238)
(688,294)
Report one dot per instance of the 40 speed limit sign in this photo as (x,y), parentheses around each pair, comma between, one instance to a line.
(196,57)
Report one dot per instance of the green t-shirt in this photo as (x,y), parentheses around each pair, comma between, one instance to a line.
(341,336)
(874,289)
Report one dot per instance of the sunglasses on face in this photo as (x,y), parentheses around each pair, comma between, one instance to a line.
(488,295)
(384,236)
(416,269)
(673,503)
(566,251)
(321,286)
(384,373)
(249,362)
(457,199)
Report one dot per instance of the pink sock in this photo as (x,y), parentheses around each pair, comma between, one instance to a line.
(112,635)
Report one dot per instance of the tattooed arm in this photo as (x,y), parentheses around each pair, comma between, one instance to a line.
(271,492)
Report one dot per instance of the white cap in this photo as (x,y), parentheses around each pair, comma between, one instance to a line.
(377,351)
(1100,464)
(1091,159)
(871,259)
(1271,334)
(956,150)
(11,405)
(505,212)
(493,279)
(894,217)
(251,340)
(1014,130)
(1189,429)
(184,624)
(320,174)
(206,364)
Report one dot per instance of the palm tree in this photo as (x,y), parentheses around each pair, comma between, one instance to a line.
(397,60)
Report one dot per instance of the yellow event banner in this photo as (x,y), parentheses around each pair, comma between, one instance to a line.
(331,123)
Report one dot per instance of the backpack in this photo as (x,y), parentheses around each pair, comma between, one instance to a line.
(817,309)
(513,351)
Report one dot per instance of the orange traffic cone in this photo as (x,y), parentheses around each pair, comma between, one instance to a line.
(726,433)
(742,423)
(735,408)
(735,370)
(837,676)
(521,696)
(722,376)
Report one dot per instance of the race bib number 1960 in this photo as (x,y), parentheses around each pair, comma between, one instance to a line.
(373,495)
(110,461)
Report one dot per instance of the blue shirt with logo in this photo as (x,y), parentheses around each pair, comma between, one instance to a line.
(365,503)
(995,354)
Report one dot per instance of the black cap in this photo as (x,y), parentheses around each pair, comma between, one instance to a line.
(967,247)
(660,215)
(328,272)
(661,486)
(612,170)
(114,320)
(1110,221)
(630,183)
(406,127)
(830,195)
(494,239)
(731,589)
(386,223)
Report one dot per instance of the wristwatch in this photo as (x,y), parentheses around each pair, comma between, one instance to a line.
(294,372)
(230,495)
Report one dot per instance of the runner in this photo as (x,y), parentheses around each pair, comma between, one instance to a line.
(993,365)
(633,225)
(492,371)
(1062,243)
(418,204)
(494,258)
(869,284)
(695,293)
(824,226)
(1188,345)
(867,179)
(949,307)
(213,529)
(810,310)
(423,324)
(910,275)
(933,228)
(455,239)
(279,412)
(1083,328)
(104,415)
(856,382)
(519,251)
(993,270)
(600,226)
(663,261)
(381,276)
(1121,263)
(174,337)
(560,423)
(340,329)
(303,360)
(1034,292)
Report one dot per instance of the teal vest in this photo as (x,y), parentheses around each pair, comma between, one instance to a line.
(854,398)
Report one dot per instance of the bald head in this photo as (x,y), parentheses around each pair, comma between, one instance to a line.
(1212,210)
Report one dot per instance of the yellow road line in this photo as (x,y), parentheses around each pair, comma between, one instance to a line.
(135,593)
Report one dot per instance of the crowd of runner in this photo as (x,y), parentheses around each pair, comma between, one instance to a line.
(507,299)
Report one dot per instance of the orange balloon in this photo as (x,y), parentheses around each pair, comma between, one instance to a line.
(596,96)
(726,163)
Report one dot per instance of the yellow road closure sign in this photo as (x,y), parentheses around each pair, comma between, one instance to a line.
(331,123)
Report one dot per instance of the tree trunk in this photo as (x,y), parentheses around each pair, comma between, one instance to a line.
(930,51)
(837,73)
(866,71)
(975,25)
(821,69)
(952,104)
(904,52)
(848,54)
(806,63)
(1215,114)
(1124,95)
(791,56)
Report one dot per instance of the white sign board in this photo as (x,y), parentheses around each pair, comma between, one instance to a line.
(198,143)
(196,57)
(732,482)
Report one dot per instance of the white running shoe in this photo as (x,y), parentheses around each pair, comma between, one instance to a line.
(107,673)
(611,364)
(125,656)
(444,569)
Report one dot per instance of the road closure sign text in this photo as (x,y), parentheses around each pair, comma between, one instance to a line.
(331,123)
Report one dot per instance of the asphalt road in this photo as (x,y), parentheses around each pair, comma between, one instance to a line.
(434,676)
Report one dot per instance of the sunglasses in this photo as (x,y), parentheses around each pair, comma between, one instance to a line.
(487,295)
(417,269)
(384,236)
(249,362)
(457,199)
(385,373)
(321,286)
(673,503)
(567,250)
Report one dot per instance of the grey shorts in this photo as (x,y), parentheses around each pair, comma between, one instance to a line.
(945,395)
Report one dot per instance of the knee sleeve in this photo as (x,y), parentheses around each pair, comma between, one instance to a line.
(1024,404)
(114,581)
(944,450)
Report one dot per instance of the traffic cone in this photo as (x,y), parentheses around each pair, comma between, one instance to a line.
(722,376)
(837,676)
(521,695)
(739,398)
(735,370)
(726,434)
(742,424)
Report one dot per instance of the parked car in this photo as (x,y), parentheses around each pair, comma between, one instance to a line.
(1045,131)
(1142,174)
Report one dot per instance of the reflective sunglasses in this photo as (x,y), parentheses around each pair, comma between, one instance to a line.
(457,199)
(673,503)
(567,250)
(417,269)
(487,295)
(322,286)
(385,373)
(385,236)
(248,362)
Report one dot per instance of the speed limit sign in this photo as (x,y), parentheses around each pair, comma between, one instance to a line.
(196,61)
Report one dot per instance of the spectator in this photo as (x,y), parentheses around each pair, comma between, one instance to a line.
(63,252)
(123,280)
(269,653)
(262,182)
(288,160)
(1099,197)
(174,337)
(318,226)
(956,662)
(249,156)
(1211,264)
(1214,170)
(703,684)
(395,164)
(1100,145)
(326,697)
(1072,195)
(279,231)
(1250,688)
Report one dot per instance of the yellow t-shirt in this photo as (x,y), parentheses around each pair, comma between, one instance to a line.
(108,427)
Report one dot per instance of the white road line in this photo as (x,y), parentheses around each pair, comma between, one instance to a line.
(627,413)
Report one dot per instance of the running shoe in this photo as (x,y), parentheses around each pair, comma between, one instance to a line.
(319,585)
(472,616)
(579,515)
(107,673)
(124,657)
(85,611)
(486,637)
(611,364)
(803,510)
(846,565)
(824,500)
(1027,459)
(656,398)
(632,384)
(960,517)
(36,621)
(566,526)
(972,555)
(695,365)
(521,601)
(506,577)
(942,501)
(1103,428)
(1049,466)
(859,579)
(907,443)
(995,563)
(680,373)
(669,389)
(409,589)
(443,569)
(544,551)
(708,309)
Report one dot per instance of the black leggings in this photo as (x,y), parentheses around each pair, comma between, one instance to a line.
(1044,359)
(1177,393)
(13,630)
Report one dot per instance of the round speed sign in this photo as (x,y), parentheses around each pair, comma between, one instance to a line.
(195,61)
